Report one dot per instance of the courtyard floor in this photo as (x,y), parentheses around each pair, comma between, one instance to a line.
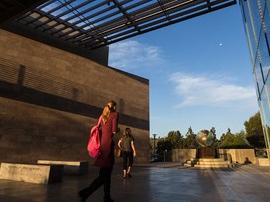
(153,183)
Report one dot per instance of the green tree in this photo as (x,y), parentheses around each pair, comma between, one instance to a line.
(254,131)
(163,145)
(190,140)
(176,139)
(233,141)
(216,141)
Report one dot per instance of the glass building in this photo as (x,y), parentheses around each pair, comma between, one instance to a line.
(256,17)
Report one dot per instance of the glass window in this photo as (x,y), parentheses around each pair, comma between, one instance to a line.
(252,38)
(256,12)
(258,74)
(263,55)
(267,5)
(265,102)
(266,25)
(262,4)
(253,18)
(265,99)
(266,21)
(264,125)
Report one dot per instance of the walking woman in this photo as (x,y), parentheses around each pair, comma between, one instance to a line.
(126,144)
(109,126)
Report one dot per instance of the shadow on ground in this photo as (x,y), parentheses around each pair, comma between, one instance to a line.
(170,184)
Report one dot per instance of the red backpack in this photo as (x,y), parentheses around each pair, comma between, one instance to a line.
(93,146)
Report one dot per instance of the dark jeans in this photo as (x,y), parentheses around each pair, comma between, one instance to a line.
(127,159)
(104,178)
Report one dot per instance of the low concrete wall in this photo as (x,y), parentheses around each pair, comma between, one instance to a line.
(235,155)
(262,161)
(182,155)
(39,174)
(238,155)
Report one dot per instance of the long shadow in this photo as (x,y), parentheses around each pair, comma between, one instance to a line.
(34,96)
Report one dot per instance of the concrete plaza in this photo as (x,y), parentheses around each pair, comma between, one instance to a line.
(156,183)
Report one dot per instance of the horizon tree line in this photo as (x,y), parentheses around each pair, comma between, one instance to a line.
(251,137)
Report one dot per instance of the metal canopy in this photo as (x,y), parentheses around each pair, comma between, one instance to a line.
(11,8)
(92,24)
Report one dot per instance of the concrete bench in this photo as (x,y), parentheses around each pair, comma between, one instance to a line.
(70,167)
(39,174)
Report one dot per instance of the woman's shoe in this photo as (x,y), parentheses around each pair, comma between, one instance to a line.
(129,175)
(108,199)
(82,197)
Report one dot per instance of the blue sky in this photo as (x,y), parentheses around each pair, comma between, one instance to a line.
(199,70)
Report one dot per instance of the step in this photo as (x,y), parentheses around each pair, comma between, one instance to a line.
(187,165)
(212,166)
(211,160)
(213,163)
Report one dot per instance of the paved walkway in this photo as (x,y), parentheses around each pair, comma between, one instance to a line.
(176,184)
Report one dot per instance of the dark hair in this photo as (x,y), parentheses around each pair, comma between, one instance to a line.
(127,132)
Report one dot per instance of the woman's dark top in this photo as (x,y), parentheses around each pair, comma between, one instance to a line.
(126,143)
(106,158)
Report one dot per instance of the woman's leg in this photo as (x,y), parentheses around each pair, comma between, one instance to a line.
(130,163)
(86,192)
(125,158)
(107,184)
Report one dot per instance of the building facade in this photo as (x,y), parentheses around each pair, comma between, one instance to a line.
(256,17)
(50,97)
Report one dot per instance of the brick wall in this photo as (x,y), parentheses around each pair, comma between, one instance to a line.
(48,98)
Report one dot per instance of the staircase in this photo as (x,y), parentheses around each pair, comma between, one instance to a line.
(208,163)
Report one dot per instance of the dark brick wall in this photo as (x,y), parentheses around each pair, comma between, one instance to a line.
(49,97)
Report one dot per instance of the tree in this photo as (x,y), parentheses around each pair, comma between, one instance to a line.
(190,140)
(176,139)
(213,131)
(163,145)
(254,131)
(228,132)
(226,139)
(216,142)
(233,141)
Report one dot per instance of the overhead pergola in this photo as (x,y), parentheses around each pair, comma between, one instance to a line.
(91,24)
(11,8)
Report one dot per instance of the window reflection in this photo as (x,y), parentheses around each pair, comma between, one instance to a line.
(250,29)
(256,17)
(263,55)
(258,73)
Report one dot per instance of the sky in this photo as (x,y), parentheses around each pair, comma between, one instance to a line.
(199,71)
